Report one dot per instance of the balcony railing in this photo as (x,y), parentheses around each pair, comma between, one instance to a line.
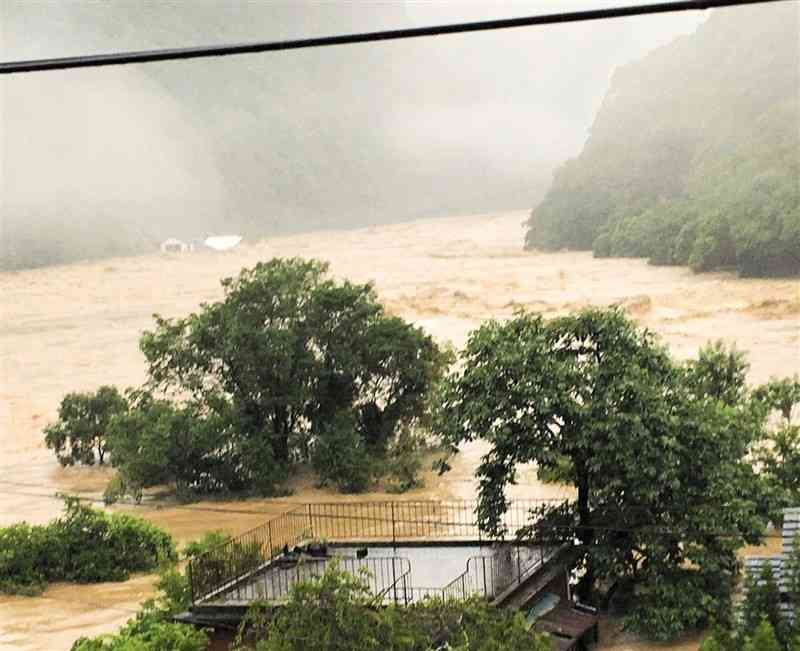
(244,561)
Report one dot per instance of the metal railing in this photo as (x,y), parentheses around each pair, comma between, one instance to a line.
(234,564)
(410,520)
(490,576)
(226,566)
(385,577)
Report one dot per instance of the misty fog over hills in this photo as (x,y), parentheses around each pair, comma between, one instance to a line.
(694,156)
(110,161)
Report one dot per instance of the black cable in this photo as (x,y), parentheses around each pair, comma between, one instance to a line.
(171,54)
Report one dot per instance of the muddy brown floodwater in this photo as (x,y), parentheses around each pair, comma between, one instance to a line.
(76,327)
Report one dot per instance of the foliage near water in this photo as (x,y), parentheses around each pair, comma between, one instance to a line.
(83,546)
(153,628)
(760,624)
(291,367)
(80,435)
(660,454)
(337,612)
(694,156)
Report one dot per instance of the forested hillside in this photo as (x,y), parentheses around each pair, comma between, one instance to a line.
(694,155)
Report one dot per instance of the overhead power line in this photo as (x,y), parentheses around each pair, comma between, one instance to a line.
(172,54)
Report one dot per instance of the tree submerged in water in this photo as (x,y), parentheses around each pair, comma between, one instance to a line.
(80,435)
(290,366)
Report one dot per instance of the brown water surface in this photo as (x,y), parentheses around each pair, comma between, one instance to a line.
(76,327)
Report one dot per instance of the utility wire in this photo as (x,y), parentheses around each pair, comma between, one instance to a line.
(171,54)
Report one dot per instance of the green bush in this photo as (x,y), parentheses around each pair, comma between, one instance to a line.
(405,462)
(84,546)
(214,564)
(152,629)
(22,570)
(160,636)
(337,612)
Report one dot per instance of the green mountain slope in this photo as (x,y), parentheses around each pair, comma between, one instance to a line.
(694,155)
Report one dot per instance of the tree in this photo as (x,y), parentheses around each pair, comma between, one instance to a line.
(659,466)
(286,353)
(336,611)
(157,442)
(761,604)
(79,434)
(780,457)
(761,623)
(719,372)
(781,394)
(763,639)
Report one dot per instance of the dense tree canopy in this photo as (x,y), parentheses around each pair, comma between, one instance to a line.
(80,433)
(290,366)
(699,168)
(158,442)
(656,450)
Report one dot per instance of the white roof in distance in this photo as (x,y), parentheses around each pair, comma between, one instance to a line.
(222,242)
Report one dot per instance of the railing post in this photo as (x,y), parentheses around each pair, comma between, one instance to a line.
(269,538)
(483,558)
(310,520)
(394,534)
(394,580)
(191,581)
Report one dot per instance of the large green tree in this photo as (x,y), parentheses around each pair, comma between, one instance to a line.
(287,353)
(658,459)
(79,434)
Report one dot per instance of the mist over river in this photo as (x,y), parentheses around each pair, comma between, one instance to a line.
(76,327)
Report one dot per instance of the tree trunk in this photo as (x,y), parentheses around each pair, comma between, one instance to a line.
(280,436)
(585,535)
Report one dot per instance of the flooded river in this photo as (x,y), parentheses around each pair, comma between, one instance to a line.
(76,327)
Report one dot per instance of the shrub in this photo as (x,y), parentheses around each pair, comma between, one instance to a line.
(159,636)
(84,546)
(335,611)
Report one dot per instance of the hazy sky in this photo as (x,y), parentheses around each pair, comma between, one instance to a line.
(348,135)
